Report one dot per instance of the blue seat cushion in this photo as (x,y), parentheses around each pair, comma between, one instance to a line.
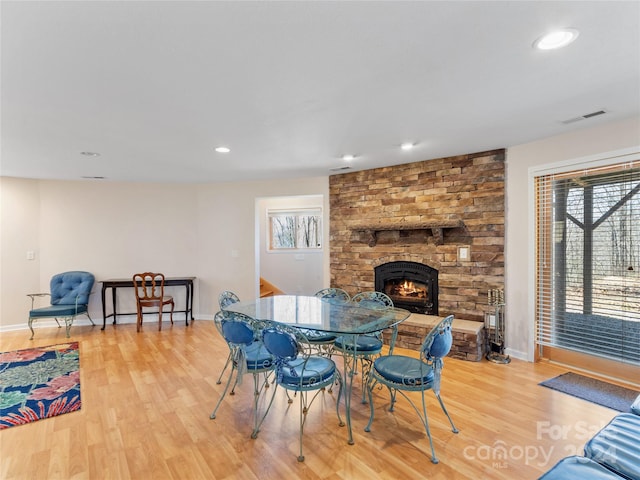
(403,370)
(315,370)
(617,446)
(57,311)
(315,336)
(578,468)
(635,406)
(258,357)
(364,344)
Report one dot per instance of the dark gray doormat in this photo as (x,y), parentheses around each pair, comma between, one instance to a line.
(595,391)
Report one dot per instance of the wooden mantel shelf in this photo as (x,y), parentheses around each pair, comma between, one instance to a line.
(436,227)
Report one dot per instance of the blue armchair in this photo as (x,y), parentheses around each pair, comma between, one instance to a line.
(69,294)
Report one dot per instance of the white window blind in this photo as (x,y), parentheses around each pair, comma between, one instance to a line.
(588,261)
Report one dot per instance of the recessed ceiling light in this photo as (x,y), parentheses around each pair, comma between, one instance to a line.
(90,154)
(556,39)
(348,157)
(407,145)
(223,149)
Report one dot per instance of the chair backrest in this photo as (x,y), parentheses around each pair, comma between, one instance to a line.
(148,286)
(68,287)
(437,343)
(226,298)
(236,328)
(374,300)
(333,295)
(282,342)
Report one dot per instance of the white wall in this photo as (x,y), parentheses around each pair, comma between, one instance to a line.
(116,229)
(19,233)
(520,238)
(295,273)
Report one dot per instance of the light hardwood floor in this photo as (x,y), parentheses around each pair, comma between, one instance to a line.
(146,400)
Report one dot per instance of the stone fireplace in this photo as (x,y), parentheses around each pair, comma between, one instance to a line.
(411,285)
(423,213)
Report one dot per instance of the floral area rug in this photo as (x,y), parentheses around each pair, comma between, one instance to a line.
(39,383)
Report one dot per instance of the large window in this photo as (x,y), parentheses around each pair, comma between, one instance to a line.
(588,254)
(295,229)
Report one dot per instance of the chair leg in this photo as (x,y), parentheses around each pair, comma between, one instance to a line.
(139,319)
(90,319)
(171,315)
(160,318)
(224,392)
(68,321)
(224,369)
(258,424)
(453,427)
(370,386)
(31,328)
(425,422)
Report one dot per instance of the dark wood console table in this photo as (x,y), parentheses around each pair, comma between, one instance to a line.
(116,283)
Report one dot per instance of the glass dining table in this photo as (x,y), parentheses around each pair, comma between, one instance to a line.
(324,315)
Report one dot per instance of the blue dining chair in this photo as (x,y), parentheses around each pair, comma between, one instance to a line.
(323,341)
(400,373)
(297,370)
(225,299)
(247,353)
(337,295)
(364,348)
(69,292)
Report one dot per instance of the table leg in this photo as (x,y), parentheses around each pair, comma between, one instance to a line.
(191,303)
(113,299)
(349,372)
(186,306)
(104,308)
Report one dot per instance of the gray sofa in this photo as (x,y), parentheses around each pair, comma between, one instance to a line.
(613,453)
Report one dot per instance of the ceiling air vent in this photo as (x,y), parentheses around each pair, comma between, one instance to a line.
(584,117)
(339,169)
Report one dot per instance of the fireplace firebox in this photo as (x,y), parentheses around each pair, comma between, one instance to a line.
(411,285)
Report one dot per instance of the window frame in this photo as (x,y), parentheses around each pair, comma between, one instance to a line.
(545,233)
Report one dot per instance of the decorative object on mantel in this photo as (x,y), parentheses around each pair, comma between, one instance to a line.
(435,226)
(495,329)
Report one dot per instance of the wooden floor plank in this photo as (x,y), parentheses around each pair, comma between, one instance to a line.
(147,397)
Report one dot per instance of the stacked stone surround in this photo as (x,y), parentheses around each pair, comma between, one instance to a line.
(469,188)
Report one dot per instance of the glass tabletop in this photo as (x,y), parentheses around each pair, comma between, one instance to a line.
(320,314)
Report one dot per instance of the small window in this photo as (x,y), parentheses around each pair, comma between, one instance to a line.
(299,229)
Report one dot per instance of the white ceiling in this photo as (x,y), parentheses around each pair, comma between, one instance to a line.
(291,86)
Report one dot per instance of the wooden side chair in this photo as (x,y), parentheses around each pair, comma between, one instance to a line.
(149,288)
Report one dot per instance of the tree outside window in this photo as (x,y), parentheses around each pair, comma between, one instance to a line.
(295,229)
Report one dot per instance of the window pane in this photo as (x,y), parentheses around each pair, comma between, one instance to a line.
(295,229)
